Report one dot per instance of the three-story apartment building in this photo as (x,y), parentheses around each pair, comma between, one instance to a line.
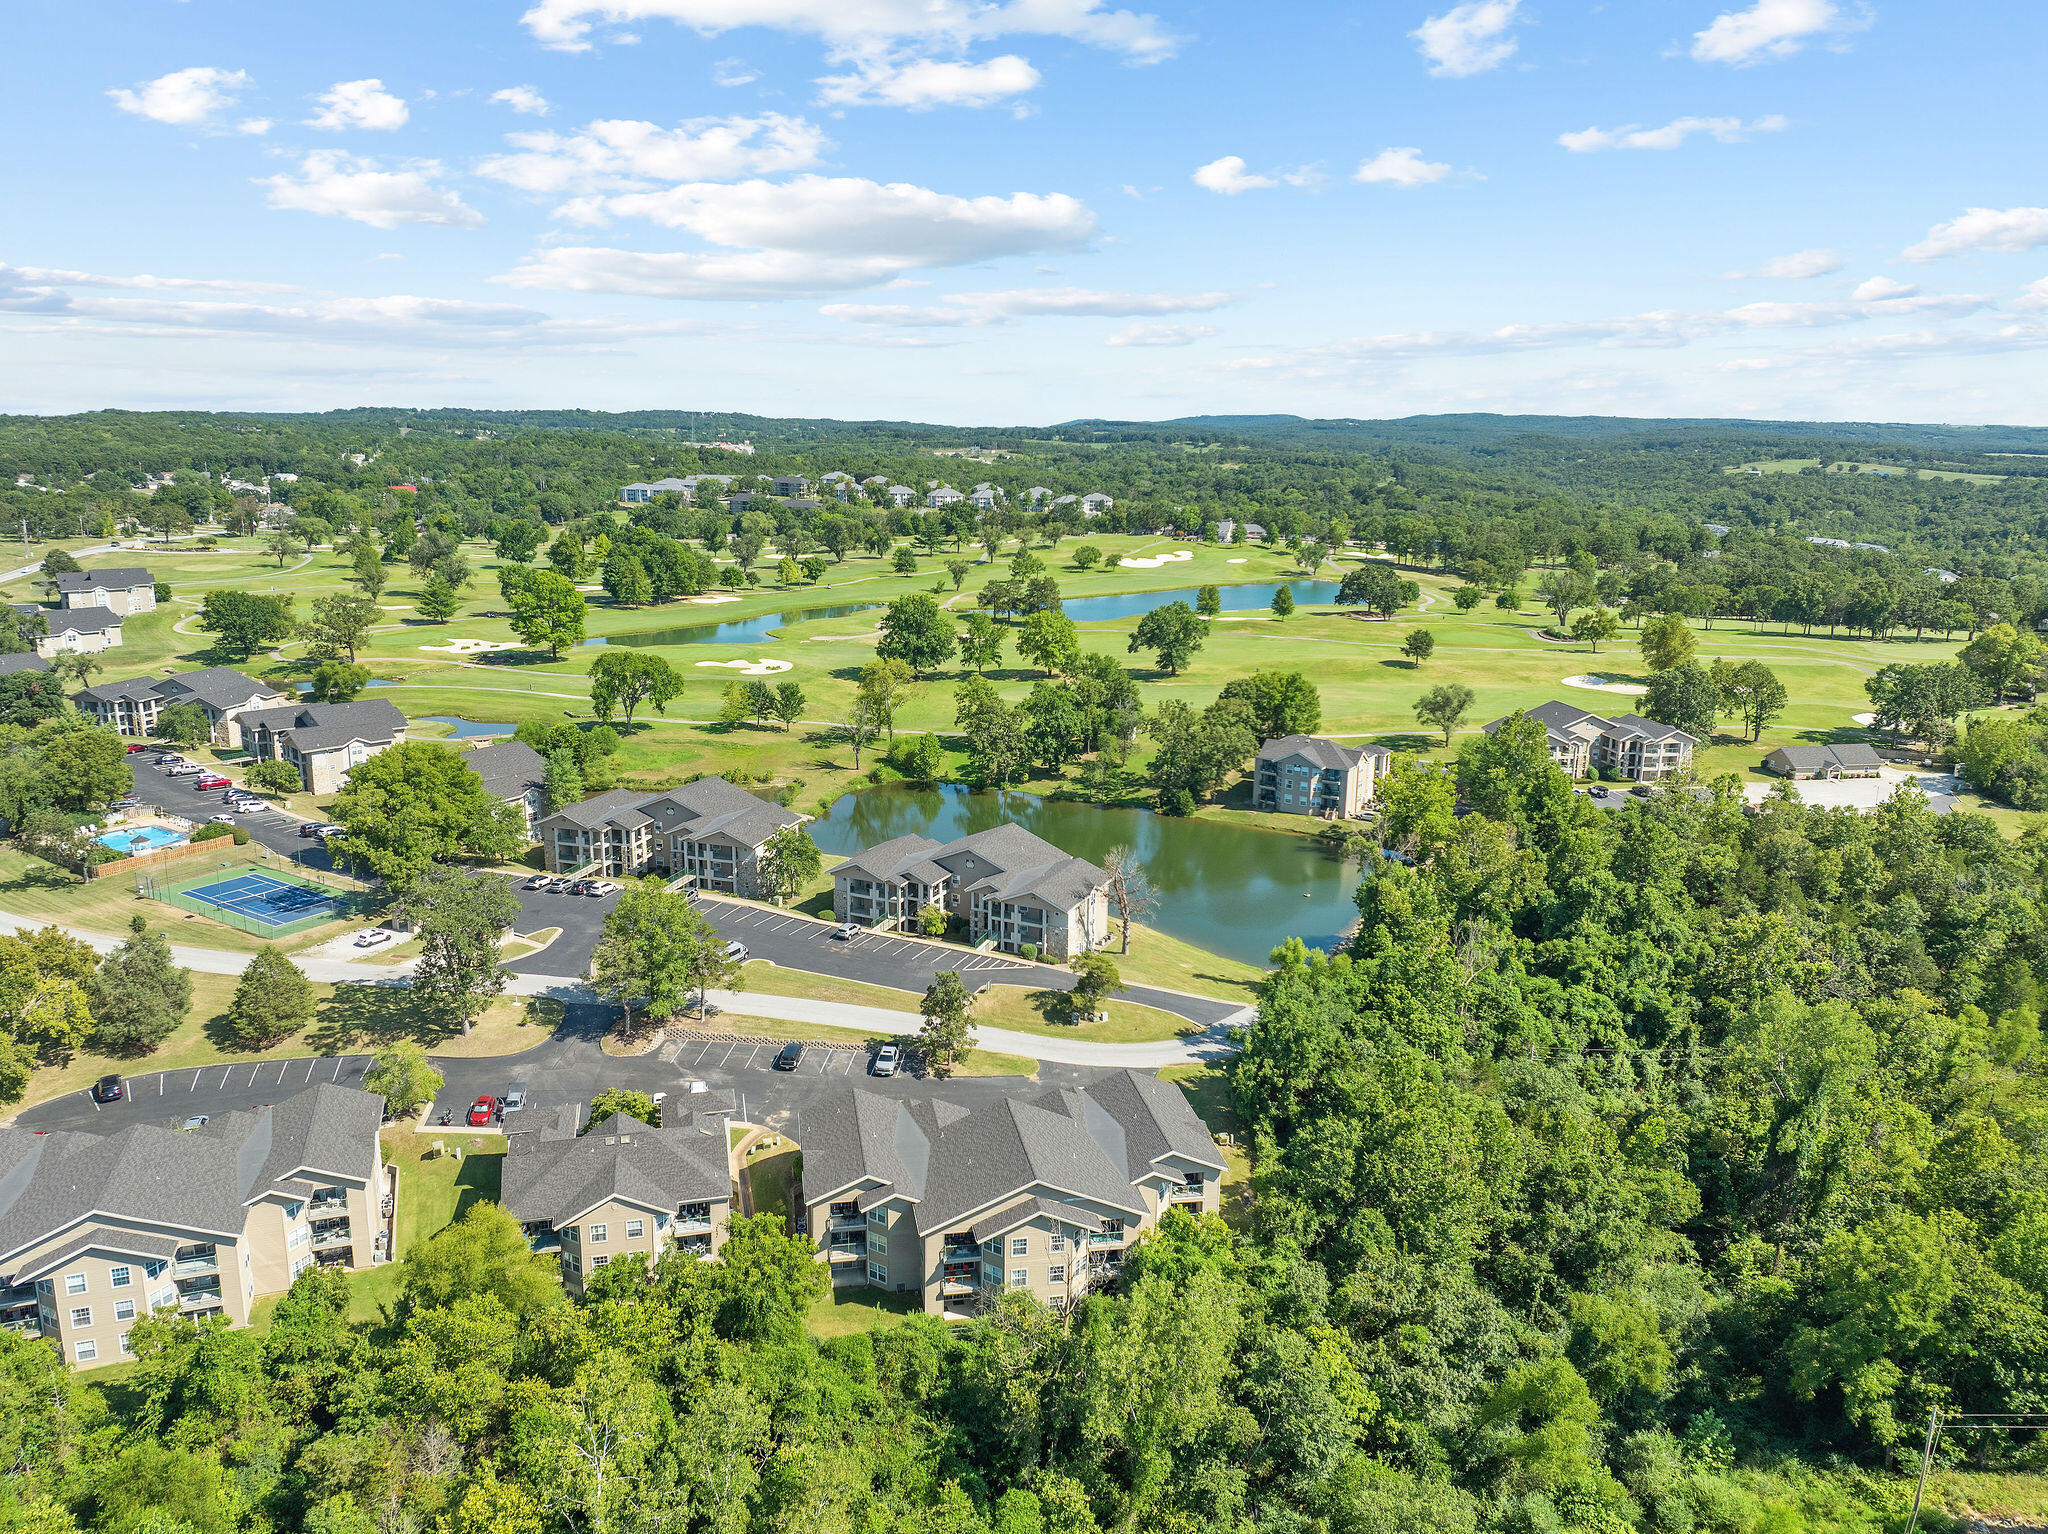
(1312,775)
(97,1230)
(1004,883)
(708,829)
(223,694)
(1042,1195)
(1584,743)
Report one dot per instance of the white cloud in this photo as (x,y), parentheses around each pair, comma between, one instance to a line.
(962,309)
(1873,289)
(811,234)
(255,127)
(733,72)
(853,24)
(1771,29)
(184,98)
(1400,167)
(1468,39)
(2035,295)
(2009,230)
(1228,176)
(523,99)
(1801,263)
(624,155)
(1141,334)
(921,84)
(358,104)
(332,182)
(63,277)
(1729,130)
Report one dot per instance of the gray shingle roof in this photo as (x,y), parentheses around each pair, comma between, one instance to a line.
(25,661)
(1030,1209)
(1010,862)
(509,768)
(548,1177)
(112,578)
(315,727)
(1320,750)
(707,807)
(1819,758)
(220,686)
(1569,723)
(1156,1119)
(82,620)
(892,859)
(995,1153)
(1649,729)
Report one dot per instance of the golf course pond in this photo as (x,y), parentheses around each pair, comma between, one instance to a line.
(1234,890)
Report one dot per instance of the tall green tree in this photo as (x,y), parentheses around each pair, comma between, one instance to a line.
(944,1039)
(548,612)
(789,860)
(1172,633)
(917,632)
(461,918)
(406,808)
(273,1000)
(245,623)
(139,994)
(622,679)
(340,624)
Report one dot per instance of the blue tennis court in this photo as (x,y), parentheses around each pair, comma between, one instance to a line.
(274,902)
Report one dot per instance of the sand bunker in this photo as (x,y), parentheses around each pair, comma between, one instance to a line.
(1154,561)
(714,596)
(1866,720)
(752,667)
(1237,561)
(472,646)
(1602,684)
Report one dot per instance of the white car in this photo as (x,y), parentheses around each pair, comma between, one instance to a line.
(602,887)
(374,937)
(220,820)
(885,1061)
(736,952)
(185,770)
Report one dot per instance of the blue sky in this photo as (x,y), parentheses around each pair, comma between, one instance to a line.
(1031,210)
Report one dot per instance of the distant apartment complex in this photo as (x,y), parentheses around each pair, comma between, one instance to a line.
(1313,775)
(132,707)
(709,829)
(130,590)
(1040,1195)
(97,1230)
(621,1188)
(1005,884)
(1584,743)
(77,630)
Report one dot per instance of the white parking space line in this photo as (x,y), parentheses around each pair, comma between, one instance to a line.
(753,1057)
(309,1068)
(159,1083)
(224,1077)
(337,1069)
(727,1055)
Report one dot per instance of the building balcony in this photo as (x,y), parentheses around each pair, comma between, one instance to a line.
(846,1254)
(339,1236)
(693,1225)
(185,1266)
(336,1204)
(192,1300)
(960,1254)
(850,1222)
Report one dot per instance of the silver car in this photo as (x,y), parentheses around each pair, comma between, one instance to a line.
(885,1063)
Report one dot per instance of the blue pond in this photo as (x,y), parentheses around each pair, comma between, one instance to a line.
(466,729)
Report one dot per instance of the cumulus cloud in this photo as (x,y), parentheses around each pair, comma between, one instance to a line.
(65,277)
(1771,29)
(1801,263)
(1728,130)
(1468,39)
(255,127)
(358,104)
(961,309)
(1141,334)
(921,84)
(915,24)
(2035,295)
(184,98)
(626,155)
(342,185)
(1400,167)
(523,99)
(810,234)
(2008,230)
(732,73)
(1229,176)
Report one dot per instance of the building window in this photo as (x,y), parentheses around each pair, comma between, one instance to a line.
(1057,1274)
(81,1316)
(1019,1245)
(877,1274)
(1018,1277)
(124,1310)
(1059,1242)
(635,1229)
(569,1232)
(878,1216)
(597,1233)
(74,1283)
(118,1277)
(574,1265)
(300,1236)
(87,1349)
(598,1262)
(292,1210)
(126,1345)
(300,1264)
(991,1274)
(1059,1304)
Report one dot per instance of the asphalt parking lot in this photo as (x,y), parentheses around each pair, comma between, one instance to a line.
(169,1098)
(273,828)
(877,958)
(581,918)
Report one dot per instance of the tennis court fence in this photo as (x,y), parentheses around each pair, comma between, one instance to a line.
(255,905)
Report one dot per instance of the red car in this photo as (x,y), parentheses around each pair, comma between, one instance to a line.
(483,1110)
(137,745)
(209,780)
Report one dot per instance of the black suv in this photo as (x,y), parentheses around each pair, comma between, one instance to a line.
(791,1056)
(107,1090)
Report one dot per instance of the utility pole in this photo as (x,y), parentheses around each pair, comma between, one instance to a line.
(1926,1460)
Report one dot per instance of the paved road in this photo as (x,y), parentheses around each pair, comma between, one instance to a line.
(273,828)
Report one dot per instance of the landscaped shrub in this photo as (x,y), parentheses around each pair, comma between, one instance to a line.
(1027,951)
(241,835)
(209,833)
(276,777)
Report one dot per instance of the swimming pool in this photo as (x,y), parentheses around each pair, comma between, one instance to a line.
(140,839)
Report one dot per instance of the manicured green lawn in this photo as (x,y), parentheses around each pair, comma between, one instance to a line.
(1041,1012)
(843,1311)
(771,1178)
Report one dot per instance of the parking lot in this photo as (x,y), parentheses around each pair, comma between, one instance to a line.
(581,918)
(170,1098)
(877,958)
(180,796)
(724,1055)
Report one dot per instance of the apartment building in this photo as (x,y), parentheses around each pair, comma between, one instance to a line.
(77,631)
(1313,775)
(512,771)
(1004,883)
(621,1187)
(1584,743)
(709,829)
(25,660)
(1042,1195)
(98,1229)
(323,740)
(130,590)
(225,695)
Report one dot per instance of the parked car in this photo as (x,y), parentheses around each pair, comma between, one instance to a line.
(483,1109)
(326,831)
(791,1056)
(248,806)
(309,829)
(1598,790)
(885,1061)
(187,770)
(601,887)
(137,745)
(537,882)
(515,1097)
(167,759)
(846,932)
(209,781)
(220,820)
(559,886)
(375,937)
(197,1121)
(107,1090)
(126,802)
(737,952)
(579,887)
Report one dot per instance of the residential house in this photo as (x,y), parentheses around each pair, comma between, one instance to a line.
(1036,494)
(512,771)
(323,740)
(1095,504)
(1313,775)
(99,1229)
(621,1188)
(1226,530)
(132,706)
(1042,1195)
(1005,884)
(128,590)
(708,829)
(984,497)
(944,495)
(83,630)
(900,495)
(1584,743)
(25,660)
(1827,762)
(789,484)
